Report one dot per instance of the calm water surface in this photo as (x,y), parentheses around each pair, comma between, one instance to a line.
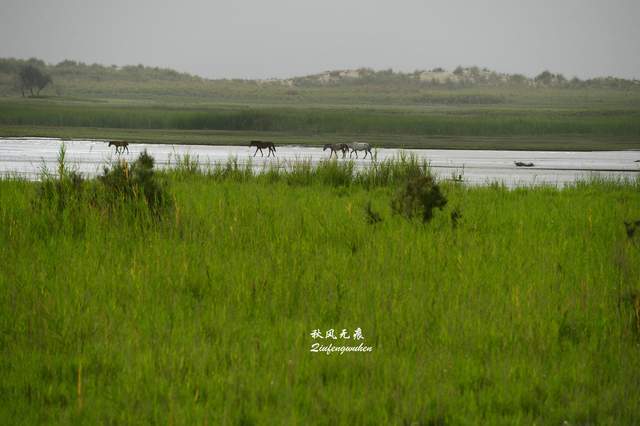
(25,157)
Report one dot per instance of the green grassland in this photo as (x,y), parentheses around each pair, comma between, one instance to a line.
(520,311)
(143,104)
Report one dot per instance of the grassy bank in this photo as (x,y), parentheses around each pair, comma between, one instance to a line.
(518,311)
(481,122)
(514,127)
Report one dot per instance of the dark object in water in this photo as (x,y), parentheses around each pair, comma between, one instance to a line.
(637,161)
(521,164)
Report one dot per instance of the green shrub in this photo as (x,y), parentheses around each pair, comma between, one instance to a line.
(418,197)
(138,182)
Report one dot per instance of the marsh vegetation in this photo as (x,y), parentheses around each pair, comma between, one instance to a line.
(506,306)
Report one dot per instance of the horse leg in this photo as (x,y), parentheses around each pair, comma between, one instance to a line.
(127,148)
(254,154)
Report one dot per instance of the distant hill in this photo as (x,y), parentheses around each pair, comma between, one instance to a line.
(363,85)
(459,77)
(465,76)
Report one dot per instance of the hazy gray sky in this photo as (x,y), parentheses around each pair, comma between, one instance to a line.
(283,38)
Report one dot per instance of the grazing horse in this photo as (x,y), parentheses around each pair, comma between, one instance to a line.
(360,146)
(263,144)
(335,147)
(120,146)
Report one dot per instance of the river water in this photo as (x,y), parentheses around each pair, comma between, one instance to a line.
(26,157)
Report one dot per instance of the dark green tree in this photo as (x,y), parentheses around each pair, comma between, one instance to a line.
(545,77)
(32,78)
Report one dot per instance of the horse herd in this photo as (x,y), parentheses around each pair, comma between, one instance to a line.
(334,148)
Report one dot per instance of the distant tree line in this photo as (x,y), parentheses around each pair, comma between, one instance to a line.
(73,69)
(33,75)
(460,77)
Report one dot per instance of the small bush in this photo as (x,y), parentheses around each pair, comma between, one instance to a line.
(124,183)
(418,197)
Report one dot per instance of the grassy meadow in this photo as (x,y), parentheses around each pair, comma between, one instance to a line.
(508,307)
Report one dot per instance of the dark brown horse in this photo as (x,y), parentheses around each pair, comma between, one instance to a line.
(120,146)
(335,147)
(260,145)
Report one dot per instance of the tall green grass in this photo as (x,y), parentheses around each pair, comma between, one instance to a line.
(388,172)
(520,313)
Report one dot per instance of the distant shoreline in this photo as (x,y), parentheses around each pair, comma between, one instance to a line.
(242,138)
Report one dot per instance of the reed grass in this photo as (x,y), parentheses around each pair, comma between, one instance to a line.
(483,122)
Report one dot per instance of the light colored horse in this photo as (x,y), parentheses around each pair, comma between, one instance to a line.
(360,146)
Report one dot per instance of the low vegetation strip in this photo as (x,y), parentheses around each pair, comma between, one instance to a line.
(324,121)
(516,306)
